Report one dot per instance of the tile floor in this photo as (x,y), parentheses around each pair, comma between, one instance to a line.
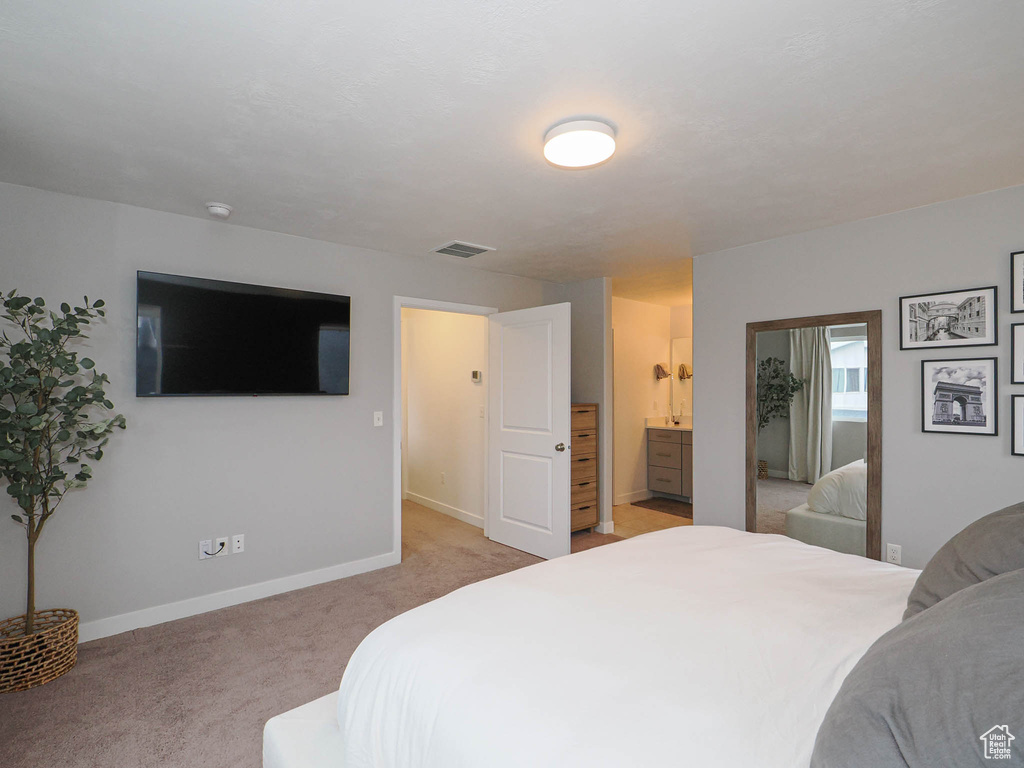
(632,521)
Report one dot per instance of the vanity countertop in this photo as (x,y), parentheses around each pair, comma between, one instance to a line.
(659,423)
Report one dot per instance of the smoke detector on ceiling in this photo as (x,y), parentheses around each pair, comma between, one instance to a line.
(462,250)
(219,210)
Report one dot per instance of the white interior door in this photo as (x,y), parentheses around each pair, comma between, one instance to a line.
(528,431)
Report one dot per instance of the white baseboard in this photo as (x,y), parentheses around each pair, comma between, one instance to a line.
(445,509)
(778,473)
(147,617)
(629,498)
(608,527)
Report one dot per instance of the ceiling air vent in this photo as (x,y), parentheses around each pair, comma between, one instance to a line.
(462,250)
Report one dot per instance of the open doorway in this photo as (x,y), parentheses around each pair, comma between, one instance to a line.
(440,413)
(444,407)
(652,327)
(506,477)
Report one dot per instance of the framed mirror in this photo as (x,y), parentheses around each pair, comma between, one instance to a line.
(814,430)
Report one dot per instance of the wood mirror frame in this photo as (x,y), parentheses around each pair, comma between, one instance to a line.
(873,320)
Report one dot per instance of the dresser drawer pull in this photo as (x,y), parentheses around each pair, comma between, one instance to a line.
(666,455)
(580,509)
(582,484)
(581,460)
(586,435)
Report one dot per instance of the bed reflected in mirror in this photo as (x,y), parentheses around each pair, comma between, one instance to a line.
(814,431)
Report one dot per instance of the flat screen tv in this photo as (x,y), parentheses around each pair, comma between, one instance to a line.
(210,337)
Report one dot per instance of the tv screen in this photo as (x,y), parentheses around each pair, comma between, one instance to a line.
(210,337)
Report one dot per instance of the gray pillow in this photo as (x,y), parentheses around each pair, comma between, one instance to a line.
(928,691)
(985,548)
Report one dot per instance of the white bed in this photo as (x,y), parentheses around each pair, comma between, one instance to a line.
(843,534)
(836,512)
(692,646)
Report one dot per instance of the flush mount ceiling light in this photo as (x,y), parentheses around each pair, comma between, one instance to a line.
(218,210)
(579,144)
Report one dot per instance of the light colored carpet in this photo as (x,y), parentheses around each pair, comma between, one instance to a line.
(197,692)
(775,497)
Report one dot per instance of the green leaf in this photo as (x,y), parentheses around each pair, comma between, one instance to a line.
(27,409)
(99,303)
(86,363)
(17,519)
(65,307)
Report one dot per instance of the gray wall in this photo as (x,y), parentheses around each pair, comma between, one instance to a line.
(859,266)
(849,442)
(773,441)
(308,480)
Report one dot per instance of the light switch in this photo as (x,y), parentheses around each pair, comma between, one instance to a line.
(378,418)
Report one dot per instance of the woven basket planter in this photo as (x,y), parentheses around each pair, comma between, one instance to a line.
(762,469)
(30,660)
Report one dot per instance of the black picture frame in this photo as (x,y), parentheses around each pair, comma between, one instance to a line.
(991,319)
(991,395)
(1017,425)
(1017,282)
(1016,348)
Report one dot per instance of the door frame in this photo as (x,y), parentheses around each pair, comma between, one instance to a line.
(873,320)
(409,302)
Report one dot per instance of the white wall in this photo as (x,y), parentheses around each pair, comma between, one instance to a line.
(445,430)
(860,266)
(681,321)
(849,442)
(641,333)
(308,480)
(591,336)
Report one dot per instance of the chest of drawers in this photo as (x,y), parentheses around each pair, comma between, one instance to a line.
(583,478)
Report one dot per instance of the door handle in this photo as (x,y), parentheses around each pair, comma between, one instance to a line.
(560,447)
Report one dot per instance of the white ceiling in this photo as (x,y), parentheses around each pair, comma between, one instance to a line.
(401,125)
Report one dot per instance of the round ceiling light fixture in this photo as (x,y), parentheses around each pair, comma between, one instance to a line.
(219,210)
(579,144)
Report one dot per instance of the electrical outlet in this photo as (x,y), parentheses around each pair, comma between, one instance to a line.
(893,553)
(237,543)
(221,547)
(205,546)
(378,418)
(444,480)
(481,411)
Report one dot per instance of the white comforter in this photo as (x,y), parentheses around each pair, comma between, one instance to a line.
(696,646)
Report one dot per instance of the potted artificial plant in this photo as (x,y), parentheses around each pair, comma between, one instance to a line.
(52,419)
(776,388)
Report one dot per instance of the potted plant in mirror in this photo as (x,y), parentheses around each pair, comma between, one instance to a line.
(54,417)
(776,388)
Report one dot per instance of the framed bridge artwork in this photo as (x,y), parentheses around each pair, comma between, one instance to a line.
(953,319)
(960,397)
(1017,281)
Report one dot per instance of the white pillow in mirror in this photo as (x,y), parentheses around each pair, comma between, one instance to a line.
(842,492)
